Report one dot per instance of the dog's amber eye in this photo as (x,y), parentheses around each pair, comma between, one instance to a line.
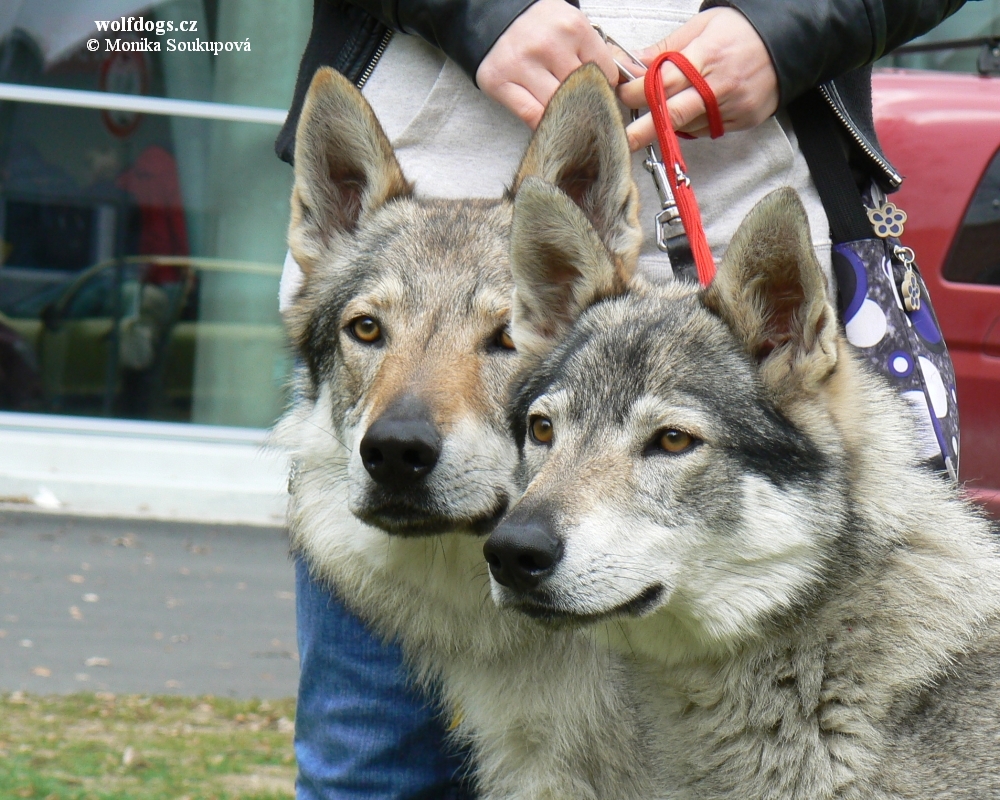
(675,441)
(503,339)
(541,429)
(366,330)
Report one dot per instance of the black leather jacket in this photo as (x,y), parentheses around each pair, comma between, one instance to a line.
(826,43)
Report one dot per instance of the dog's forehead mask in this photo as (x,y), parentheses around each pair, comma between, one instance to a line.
(666,346)
(632,346)
(449,256)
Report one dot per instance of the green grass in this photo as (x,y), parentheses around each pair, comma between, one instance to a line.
(106,747)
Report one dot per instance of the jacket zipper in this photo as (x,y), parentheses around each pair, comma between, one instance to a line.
(832,97)
(360,83)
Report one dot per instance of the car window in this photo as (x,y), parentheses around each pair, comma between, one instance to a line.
(32,305)
(975,256)
(964,42)
(93,298)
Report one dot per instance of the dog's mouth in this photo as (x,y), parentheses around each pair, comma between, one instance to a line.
(411,518)
(547,611)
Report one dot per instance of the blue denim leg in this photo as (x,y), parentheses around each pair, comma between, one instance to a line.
(360,730)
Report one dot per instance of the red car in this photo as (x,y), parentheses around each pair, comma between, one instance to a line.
(942,132)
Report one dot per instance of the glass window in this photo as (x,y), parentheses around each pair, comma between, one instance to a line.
(140,252)
(975,256)
(975,20)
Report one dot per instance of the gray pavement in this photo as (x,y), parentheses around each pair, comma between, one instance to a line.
(148,607)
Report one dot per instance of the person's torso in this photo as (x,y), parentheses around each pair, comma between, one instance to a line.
(453,141)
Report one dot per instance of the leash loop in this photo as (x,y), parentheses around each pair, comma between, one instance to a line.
(677,196)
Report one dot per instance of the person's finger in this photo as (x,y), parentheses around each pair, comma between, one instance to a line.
(684,108)
(687,114)
(542,85)
(700,133)
(623,58)
(633,93)
(519,100)
(640,132)
(697,128)
(677,39)
(593,49)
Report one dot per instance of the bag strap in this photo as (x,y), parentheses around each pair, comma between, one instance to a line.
(817,130)
(675,169)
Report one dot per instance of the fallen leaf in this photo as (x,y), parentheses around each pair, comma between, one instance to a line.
(172,684)
(75,578)
(41,672)
(81,676)
(97,661)
(285,595)
(75,612)
(26,643)
(90,597)
(128,756)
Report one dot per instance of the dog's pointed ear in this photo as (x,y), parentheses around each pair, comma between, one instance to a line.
(345,168)
(559,263)
(771,291)
(575,235)
(580,146)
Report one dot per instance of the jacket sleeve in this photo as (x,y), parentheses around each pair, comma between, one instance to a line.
(464,30)
(813,41)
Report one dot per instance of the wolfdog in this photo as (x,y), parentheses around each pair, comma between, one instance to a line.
(403,461)
(714,477)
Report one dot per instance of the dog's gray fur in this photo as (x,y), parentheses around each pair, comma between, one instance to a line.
(811,613)
(546,713)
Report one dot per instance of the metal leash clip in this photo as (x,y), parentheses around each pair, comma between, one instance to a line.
(668,215)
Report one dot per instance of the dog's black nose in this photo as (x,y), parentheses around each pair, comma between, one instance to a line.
(402,446)
(522,554)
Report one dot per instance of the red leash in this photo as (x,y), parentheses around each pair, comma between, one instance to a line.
(676,169)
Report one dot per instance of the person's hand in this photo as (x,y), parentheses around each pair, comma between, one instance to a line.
(726,49)
(536,53)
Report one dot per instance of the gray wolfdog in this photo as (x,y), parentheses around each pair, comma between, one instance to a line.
(403,461)
(719,482)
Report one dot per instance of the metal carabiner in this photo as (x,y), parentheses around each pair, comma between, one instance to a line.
(625,72)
